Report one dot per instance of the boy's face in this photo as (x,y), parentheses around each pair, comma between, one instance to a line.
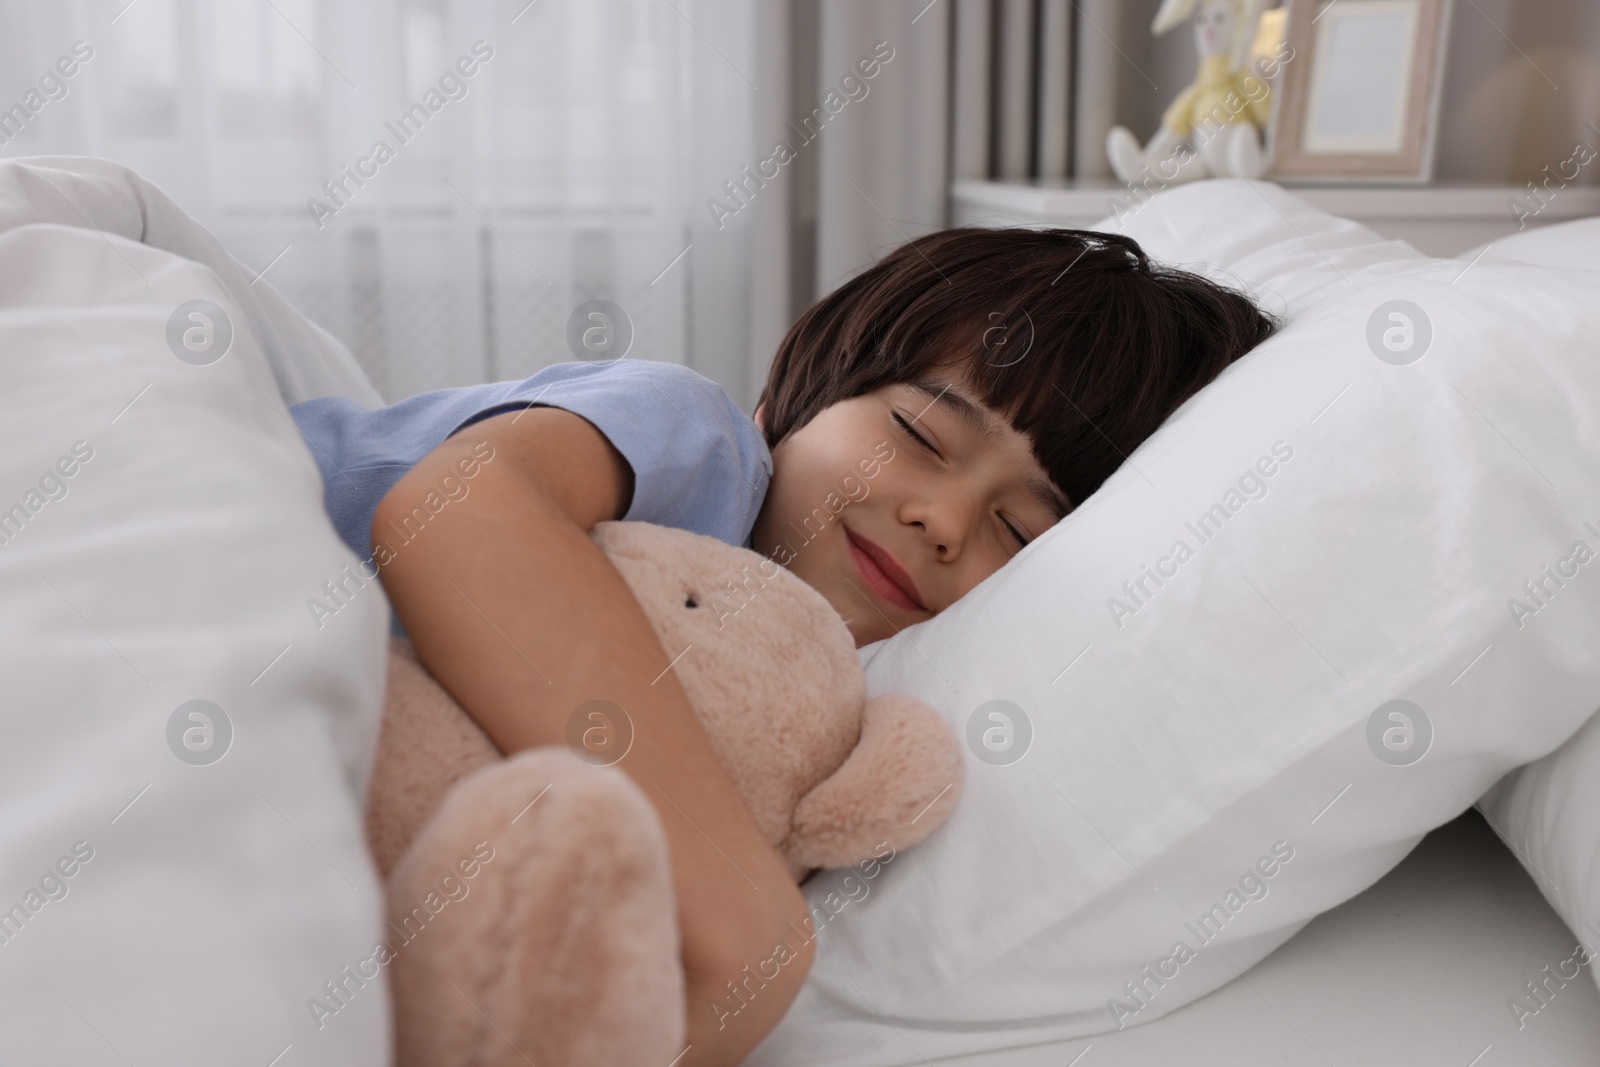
(853,478)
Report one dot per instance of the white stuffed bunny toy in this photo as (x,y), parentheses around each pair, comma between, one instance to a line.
(1210,130)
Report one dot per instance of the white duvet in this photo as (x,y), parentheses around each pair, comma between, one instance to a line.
(182,866)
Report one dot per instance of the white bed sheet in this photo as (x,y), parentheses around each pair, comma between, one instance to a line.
(1420,969)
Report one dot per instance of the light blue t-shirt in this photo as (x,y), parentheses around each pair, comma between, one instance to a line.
(699,462)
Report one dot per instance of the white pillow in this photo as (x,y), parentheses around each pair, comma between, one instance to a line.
(1549,810)
(1573,245)
(1549,813)
(159,905)
(1211,756)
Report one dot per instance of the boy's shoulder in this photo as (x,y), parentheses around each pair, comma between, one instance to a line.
(697,400)
(676,407)
(699,462)
(673,380)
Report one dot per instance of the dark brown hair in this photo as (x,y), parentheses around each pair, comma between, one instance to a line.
(1076,337)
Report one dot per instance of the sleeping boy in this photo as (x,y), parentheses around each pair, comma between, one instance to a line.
(989,381)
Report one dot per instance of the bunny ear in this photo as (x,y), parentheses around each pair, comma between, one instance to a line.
(1172,12)
(896,786)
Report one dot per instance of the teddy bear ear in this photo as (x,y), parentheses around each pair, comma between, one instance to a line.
(898,784)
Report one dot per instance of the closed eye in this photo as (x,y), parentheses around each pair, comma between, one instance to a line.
(915,436)
(918,438)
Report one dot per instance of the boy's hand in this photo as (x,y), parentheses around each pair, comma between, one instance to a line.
(517,612)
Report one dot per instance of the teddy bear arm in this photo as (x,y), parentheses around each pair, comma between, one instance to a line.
(898,784)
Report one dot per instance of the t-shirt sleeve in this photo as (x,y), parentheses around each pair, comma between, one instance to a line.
(699,462)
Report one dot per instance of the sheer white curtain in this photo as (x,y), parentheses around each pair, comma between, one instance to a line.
(576,162)
(554,174)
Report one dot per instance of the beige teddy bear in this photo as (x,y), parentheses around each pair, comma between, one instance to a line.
(531,910)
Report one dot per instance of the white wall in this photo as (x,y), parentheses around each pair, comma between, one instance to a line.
(1503,120)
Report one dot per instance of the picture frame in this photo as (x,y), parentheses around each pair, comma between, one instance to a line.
(1359,94)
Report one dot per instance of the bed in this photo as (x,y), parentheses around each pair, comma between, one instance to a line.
(1419,969)
(182,723)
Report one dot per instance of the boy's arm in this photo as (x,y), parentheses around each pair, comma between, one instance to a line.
(517,612)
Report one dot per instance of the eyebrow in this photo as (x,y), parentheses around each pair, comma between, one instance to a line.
(981,422)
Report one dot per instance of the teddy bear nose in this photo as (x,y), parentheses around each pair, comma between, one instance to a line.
(690,603)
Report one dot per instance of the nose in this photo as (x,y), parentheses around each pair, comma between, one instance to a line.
(941,518)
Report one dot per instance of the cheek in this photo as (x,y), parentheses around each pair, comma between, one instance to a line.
(794,480)
(827,457)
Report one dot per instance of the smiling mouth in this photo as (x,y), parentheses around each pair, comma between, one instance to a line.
(877,578)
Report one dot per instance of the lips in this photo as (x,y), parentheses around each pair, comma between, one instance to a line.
(887,577)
